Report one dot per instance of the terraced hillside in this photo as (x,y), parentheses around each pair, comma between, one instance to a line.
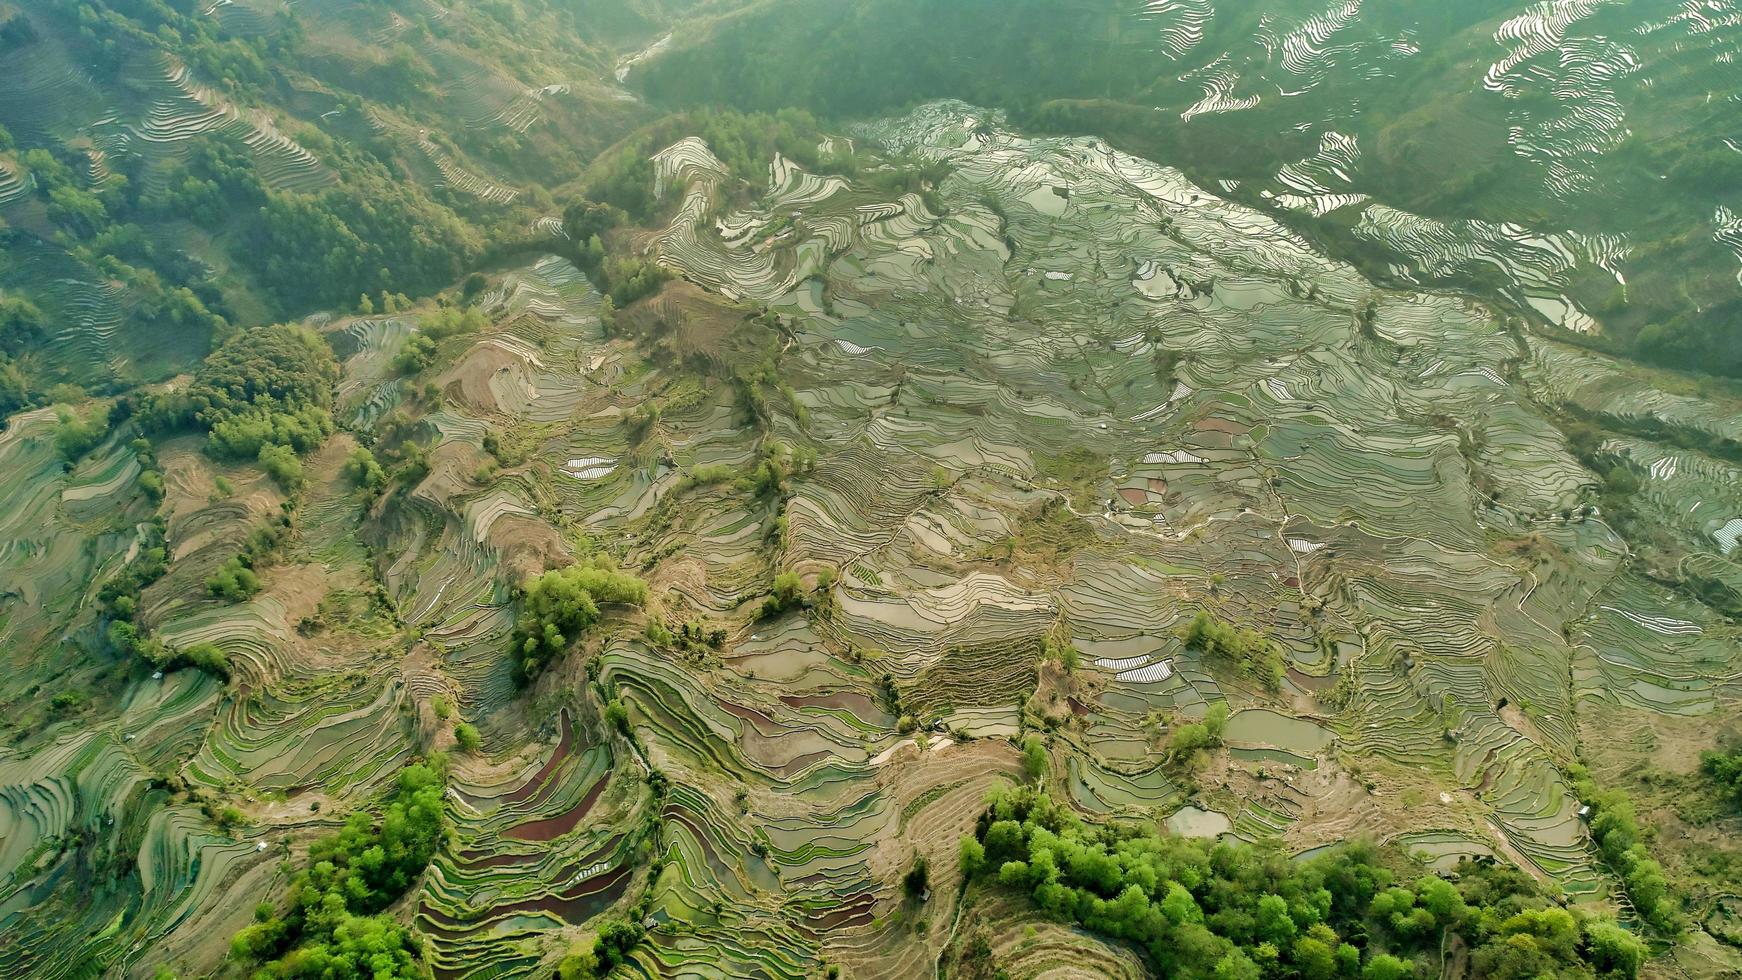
(169,170)
(919,544)
(913,478)
(1577,158)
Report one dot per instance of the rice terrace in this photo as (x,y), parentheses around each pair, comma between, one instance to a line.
(871,489)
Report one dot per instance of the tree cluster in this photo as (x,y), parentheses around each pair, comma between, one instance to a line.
(333,926)
(1244,912)
(560,605)
(1615,827)
(1248,652)
(118,606)
(1724,768)
(265,395)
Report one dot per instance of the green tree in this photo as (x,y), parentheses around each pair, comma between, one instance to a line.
(578,965)
(558,606)
(466,737)
(233,581)
(363,471)
(1034,758)
(1613,950)
(1384,966)
(77,433)
(918,876)
(333,926)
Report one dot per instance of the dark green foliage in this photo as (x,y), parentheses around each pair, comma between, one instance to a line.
(1620,483)
(371,234)
(452,321)
(769,476)
(617,716)
(332,927)
(21,328)
(14,387)
(616,941)
(1035,761)
(266,387)
(233,581)
(21,325)
(119,596)
(558,606)
(67,702)
(118,604)
(787,592)
(414,355)
(16,31)
(1248,652)
(77,433)
(641,420)
(1613,951)
(578,965)
(918,876)
(244,436)
(281,464)
(1189,739)
(1619,838)
(216,179)
(629,278)
(1209,910)
(206,657)
(466,737)
(150,477)
(270,366)
(363,471)
(419,350)
(371,231)
(1724,768)
(126,640)
(585,220)
(1694,340)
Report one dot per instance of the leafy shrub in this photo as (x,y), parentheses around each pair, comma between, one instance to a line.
(126,640)
(76,433)
(1202,909)
(206,657)
(281,464)
(271,386)
(68,701)
(451,321)
(558,606)
(616,941)
(1620,840)
(414,355)
(578,965)
(244,435)
(1034,757)
(233,581)
(1724,769)
(1250,653)
(363,471)
(918,875)
(617,716)
(332,927)
(466,737)
(787,592)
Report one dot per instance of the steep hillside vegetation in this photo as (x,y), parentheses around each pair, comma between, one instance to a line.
(1578,158)
(591,488)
